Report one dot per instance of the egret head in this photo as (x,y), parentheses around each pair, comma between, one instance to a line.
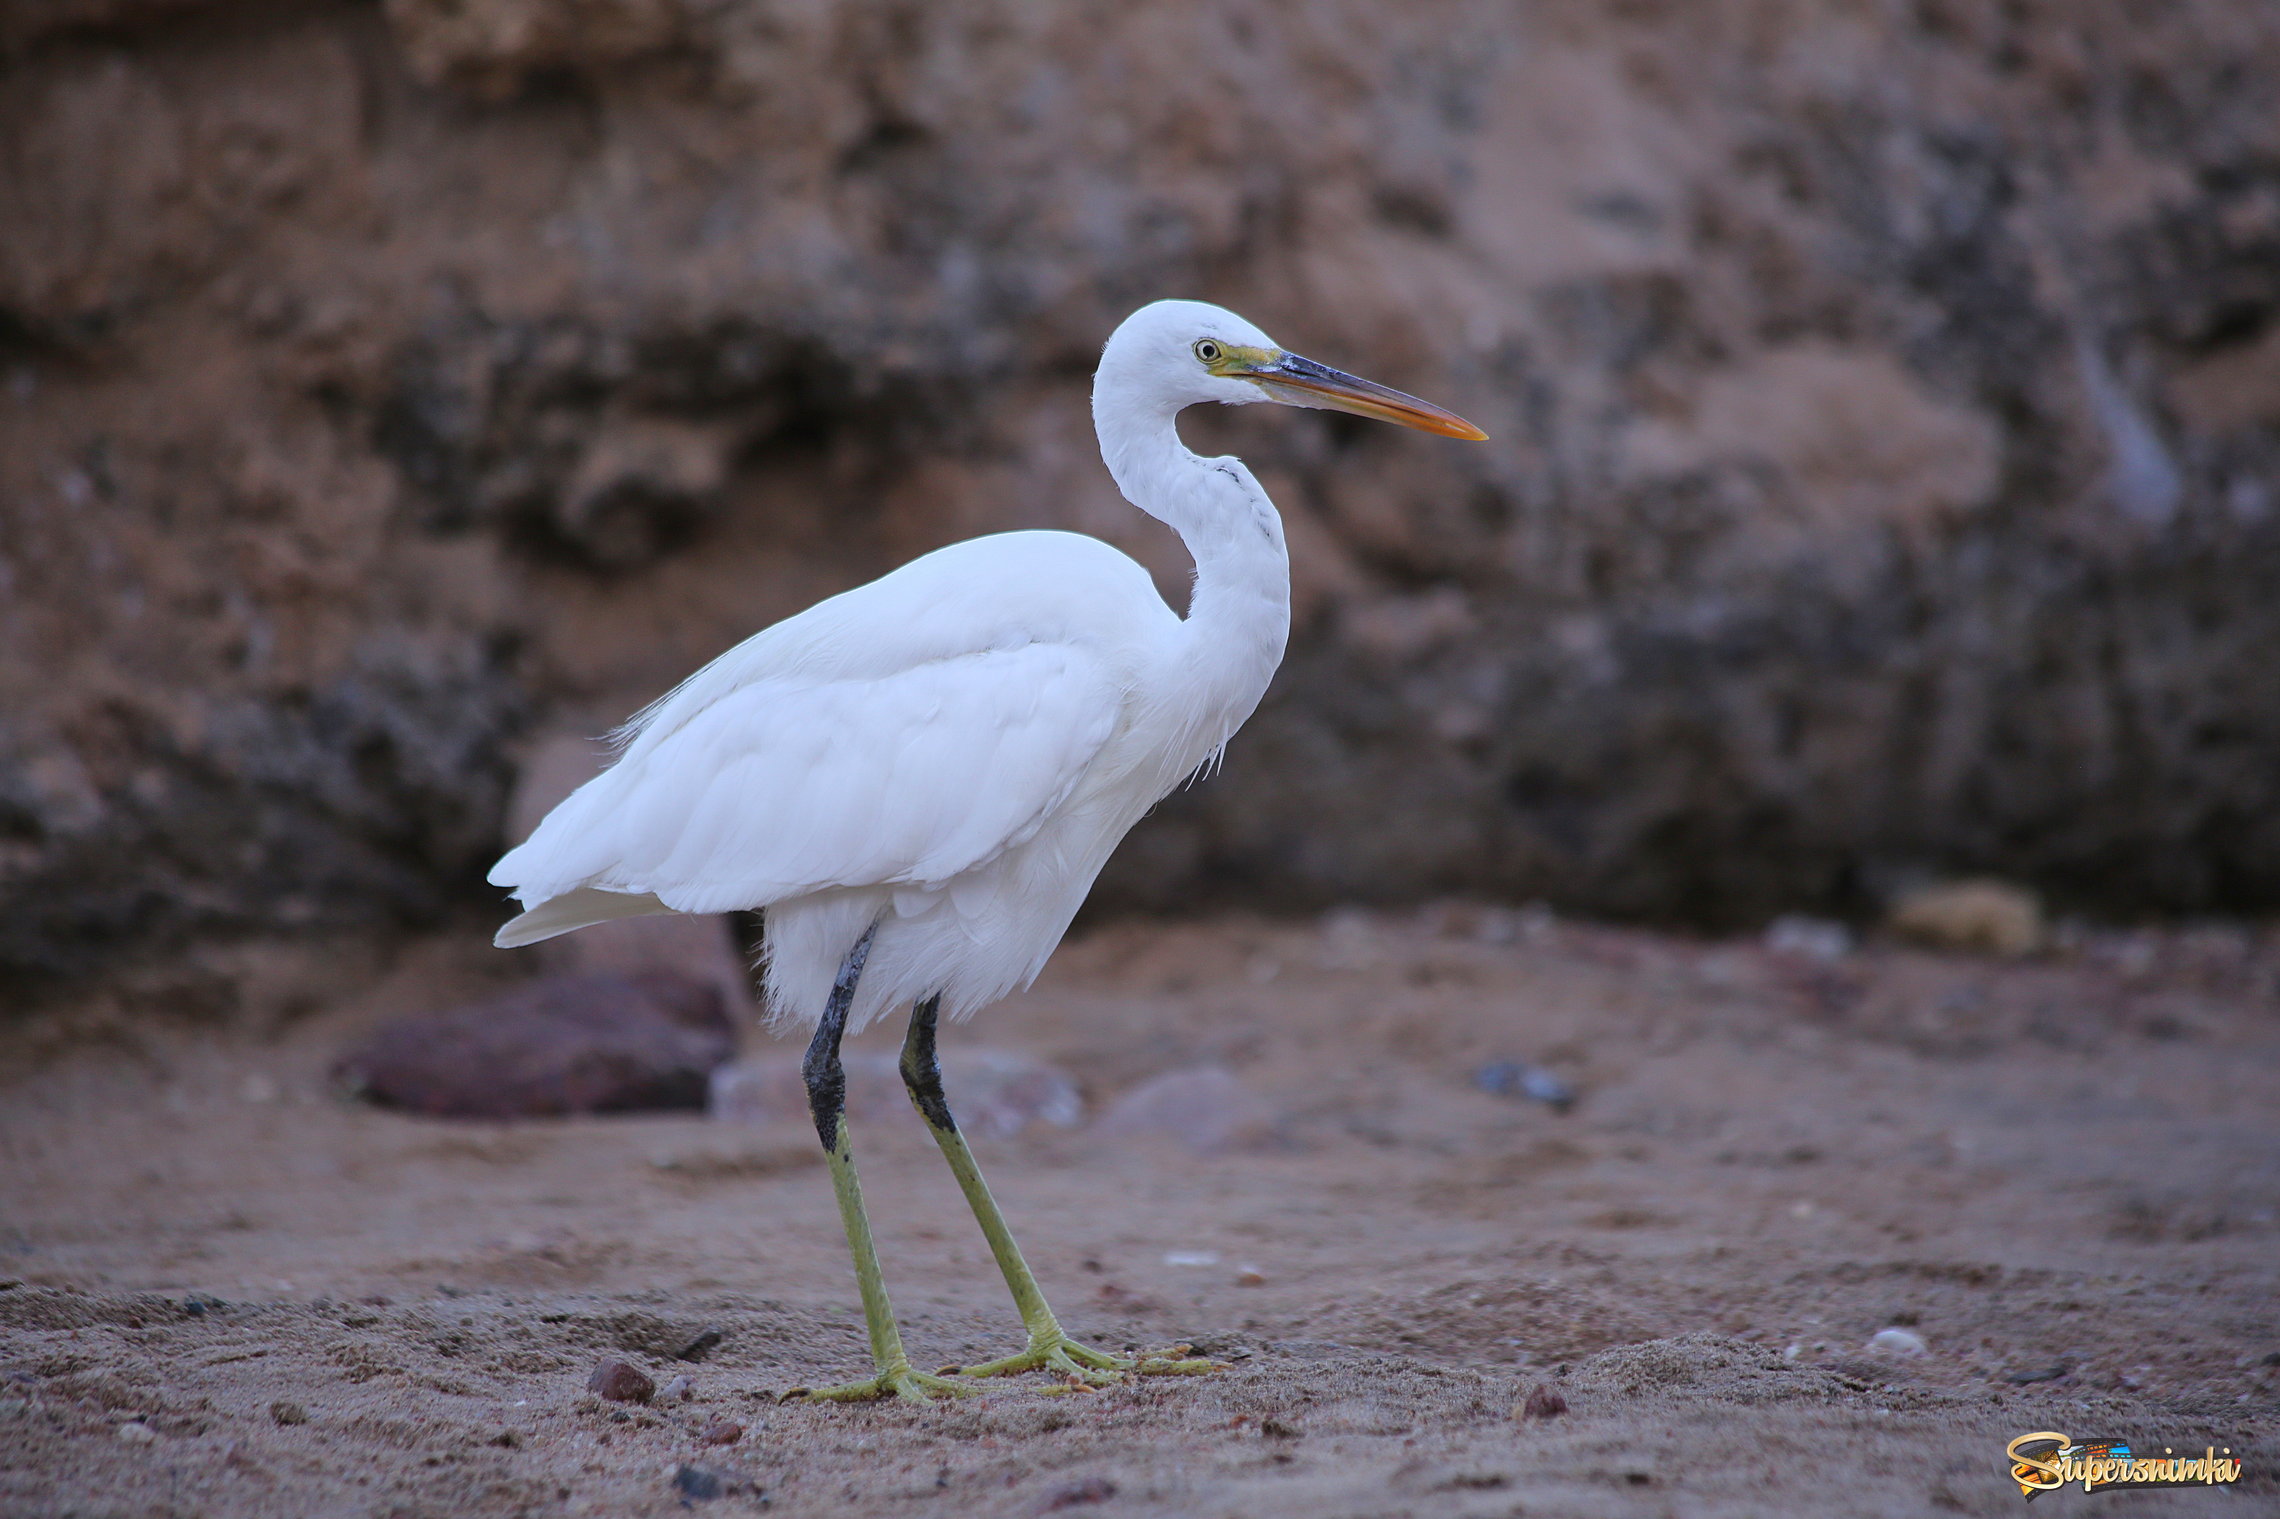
(1181,353)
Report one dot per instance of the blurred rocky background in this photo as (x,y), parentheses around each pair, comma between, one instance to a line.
(1885,397)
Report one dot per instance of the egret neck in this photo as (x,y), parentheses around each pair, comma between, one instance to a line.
(1238,618)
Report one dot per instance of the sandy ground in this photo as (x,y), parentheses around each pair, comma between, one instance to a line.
(234,1293)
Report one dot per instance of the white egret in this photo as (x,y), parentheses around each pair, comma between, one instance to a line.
(918,780)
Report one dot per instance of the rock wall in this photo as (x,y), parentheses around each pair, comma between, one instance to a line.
(1885,400)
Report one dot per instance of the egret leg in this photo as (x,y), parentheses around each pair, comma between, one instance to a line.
(827,1104)
(1050,1349)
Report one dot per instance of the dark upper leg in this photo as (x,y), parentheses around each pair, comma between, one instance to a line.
(921,1072)
(826,1078)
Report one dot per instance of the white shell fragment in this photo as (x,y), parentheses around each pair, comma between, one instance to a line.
(1896,1342)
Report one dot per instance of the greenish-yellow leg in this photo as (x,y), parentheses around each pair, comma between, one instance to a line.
(827,1103)
(1050,1348)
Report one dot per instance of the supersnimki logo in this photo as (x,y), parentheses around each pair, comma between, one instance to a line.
(2047,1460)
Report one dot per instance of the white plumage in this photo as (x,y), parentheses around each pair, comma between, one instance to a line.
(952,751)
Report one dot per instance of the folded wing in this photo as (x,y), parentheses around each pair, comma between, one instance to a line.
(785,785)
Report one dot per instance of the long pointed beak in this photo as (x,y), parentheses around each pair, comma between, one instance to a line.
(1302,382)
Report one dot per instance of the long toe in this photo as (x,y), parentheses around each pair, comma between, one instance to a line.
(902,1383)
(1066,1358)
(1079,1373)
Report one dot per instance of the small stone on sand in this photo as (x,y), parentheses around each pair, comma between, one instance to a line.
(1544,1401)
(621,1383)
(1090,1490)
(1822,939)
(701,1344)
(1517,1078)
(1973,917)
(701,1483)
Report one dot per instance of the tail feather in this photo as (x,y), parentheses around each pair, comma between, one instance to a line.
(575,909)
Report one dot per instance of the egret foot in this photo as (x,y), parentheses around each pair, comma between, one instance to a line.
(1063,1356)
(1080,1366)
(894,1382)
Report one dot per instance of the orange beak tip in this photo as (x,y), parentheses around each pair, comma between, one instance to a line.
(1450,425)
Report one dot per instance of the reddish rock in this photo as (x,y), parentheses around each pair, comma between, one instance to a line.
(563,1044)
(621,1382)
(1543,1402)
(721,1432)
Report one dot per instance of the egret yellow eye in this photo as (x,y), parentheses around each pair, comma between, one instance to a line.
(1208,351)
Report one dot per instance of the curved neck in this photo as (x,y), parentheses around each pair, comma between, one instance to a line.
(1238,619)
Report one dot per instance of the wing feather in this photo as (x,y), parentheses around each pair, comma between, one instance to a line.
(791,784)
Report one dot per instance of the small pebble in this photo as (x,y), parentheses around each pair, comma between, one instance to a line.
(701,1344)
(137,1434)
(2038,1374)
(1809,938)
(1090,1490)
(288,1413)
(1896,1341)
(679,1387)
(1544,1401)
(621,1383)
(1191,1257)
(1974,917)
(701,1483)
(1517,1078)
(721,1432)
(1250,1276)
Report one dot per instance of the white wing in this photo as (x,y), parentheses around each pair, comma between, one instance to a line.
(897,734)
(787,786)
(1004,591)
